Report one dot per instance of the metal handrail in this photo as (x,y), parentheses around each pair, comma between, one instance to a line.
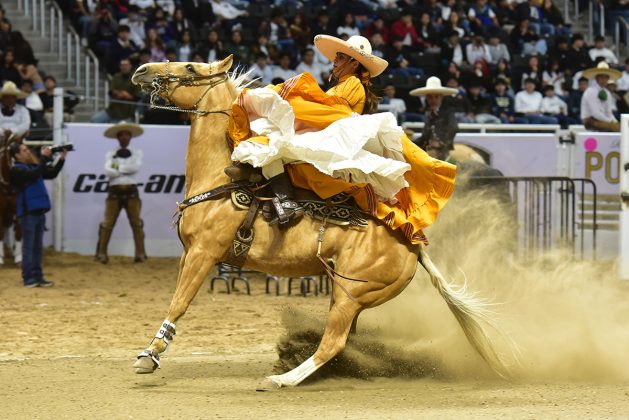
(483,128)
(91,56)
(56,22)
(74,54)
(621,21)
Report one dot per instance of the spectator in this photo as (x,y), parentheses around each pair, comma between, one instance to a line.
(377,27)
(597,102)
(32,102)
(390,103)
(427,31)
(348,27)
(124,95)
(308,64)
(531,10)
(22,49)
(300,31)
(164,29)
(33,202)
(480,106)
(378,46)
(200,13)
(280,33)
(455,24)
(212,48)
(283,70)
(122,47)
(155,45)
(70,100)
(451,51)
(15,119)
(29,72)
(184,48)
(103,29)
(262,70)
(551,15)
(400,61)
(532,72)
(621,99)
(578,57)
(599,50)
(85,13)
(561,53)
(238,49)
(553,106)
(404,31)
(525,41)
(528,103)
(144,6)
(168,6)
(135,22)
(323,25)
(9,70)
(482,17)
(181,23)
(502,104)
(497,50)
(503,72)
(574,101)
(623,82)
(477,50)
(458,103)
(554,77)
(506,14)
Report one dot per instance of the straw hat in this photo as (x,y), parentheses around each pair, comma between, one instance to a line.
(602,69)
(357,47)
(433,86)
(9,88)
(134,129)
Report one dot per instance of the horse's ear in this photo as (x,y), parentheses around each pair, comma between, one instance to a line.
(225,64)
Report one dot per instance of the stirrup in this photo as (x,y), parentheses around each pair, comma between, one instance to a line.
(285,210)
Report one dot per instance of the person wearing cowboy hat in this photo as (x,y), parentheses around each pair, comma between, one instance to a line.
(440,126)
(332,142)
(15,119)
(121,167)
(597,101)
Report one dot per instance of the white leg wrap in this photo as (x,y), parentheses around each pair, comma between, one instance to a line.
(297,375)
(1,252)
(17,252)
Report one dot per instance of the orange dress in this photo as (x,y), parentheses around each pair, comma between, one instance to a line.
(430,181)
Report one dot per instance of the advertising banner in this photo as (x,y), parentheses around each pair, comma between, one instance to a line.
(597,157)
(161,182)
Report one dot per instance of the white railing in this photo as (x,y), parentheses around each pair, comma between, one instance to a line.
(92,69)
(620,21)
(484,128)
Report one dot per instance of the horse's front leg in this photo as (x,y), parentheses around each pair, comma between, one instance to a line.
(17,248)
(193,269)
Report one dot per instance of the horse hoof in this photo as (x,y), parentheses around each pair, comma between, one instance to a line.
(268,384)
(144,365)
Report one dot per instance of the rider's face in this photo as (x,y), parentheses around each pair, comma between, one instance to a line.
(342,65)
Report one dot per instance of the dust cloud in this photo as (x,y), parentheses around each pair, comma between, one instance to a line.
(569,318)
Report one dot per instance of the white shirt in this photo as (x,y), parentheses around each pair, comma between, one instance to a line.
(593,107)
(283,74)
(167,5)
(555,79)
(554,105)
(396,106)
(623,82)
(606,53)
(347,30)
(137,34)
(265,74)
(477,53)
(18,123)
(33,102)
(142,4)
(314,69)
(122,171)
(528,102)
(226,10)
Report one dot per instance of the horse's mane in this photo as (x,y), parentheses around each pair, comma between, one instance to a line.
(240,78)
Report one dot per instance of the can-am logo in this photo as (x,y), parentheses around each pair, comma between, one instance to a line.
(158,183)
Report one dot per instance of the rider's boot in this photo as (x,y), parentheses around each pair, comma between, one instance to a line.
(243,171)
(285,206)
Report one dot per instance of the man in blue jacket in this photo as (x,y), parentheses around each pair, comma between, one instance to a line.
(27,177)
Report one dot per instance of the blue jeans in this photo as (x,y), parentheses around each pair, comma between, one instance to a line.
(32,247)
(102,117)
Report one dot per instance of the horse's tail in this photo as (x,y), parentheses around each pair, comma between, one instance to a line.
(471,313)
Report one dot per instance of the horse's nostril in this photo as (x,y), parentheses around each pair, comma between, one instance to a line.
(141,70)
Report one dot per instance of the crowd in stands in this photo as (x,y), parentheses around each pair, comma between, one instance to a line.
(512,61)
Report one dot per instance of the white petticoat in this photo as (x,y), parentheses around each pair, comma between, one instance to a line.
(359,149)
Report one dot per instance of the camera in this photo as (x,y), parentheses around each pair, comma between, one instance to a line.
(58,149)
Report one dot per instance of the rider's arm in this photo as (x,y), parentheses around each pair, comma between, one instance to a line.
(132,164)
(111,166)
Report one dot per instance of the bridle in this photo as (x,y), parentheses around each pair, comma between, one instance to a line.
(161,88)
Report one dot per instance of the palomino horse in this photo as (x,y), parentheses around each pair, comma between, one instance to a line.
(8,203)
(376,254)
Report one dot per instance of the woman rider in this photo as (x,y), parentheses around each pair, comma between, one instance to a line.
(331,143)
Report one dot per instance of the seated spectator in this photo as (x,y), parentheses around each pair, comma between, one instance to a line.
(121,48)
(553,106)
(574,101)
(482,17)
(212,48)
(578,58)
(32,102)
(451,51)
(506,14)
(554,77)
(164,29)
(308,64)
(502,104)
(85,13)
(400,61)
(390,103)
(403,30)
(9,70)
(124,95)
(226,11)
(551,15)
(103,29)
(15,120)
(171,54)
(378,46)
(323,26)
(377,27)
(280,33)
(22,49)
(599,50)
(532,72)
(145,7)
(70,100)
(597,101)
(427,31)
(528,104)
(184,47)
(238,49)
(560,53)
(29,72)
(458,104)
(135,22)
(180,23)
(621,99)
(300,31)
(524,40)
(283,70)
(480,106)
(348,27)
(477,50)
(262,70)
(497,50)
(155,45)
(623,82)
(503,72)
(454,23)
(433,9)
(168,6)
(531,10)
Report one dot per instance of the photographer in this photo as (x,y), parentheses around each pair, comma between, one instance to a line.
(121,167)
(27,177)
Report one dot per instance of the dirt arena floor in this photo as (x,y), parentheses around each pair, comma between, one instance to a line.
(67,351)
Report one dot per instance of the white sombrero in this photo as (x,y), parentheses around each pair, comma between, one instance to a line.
(357,47)
(9,88)
(433,86)
(602,68)
(134,129)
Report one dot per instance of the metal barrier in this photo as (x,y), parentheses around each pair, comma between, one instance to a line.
(484,128)
(548,214)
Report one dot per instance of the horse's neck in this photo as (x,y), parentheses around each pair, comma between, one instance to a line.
(208,154)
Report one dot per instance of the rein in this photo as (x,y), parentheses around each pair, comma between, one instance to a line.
(161,88)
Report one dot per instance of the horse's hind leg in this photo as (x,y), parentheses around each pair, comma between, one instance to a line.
(340,318)
(17,249)
(194,267)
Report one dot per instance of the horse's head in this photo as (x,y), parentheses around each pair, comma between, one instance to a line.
(187,85)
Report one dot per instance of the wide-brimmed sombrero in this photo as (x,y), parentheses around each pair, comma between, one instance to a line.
(602,68)
(134,129)
(433,86)
(357,47)
(10,88)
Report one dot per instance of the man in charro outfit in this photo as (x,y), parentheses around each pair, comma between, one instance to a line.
(440,128)
(121,167)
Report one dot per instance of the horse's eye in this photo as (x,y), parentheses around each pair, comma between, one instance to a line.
(190,68)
